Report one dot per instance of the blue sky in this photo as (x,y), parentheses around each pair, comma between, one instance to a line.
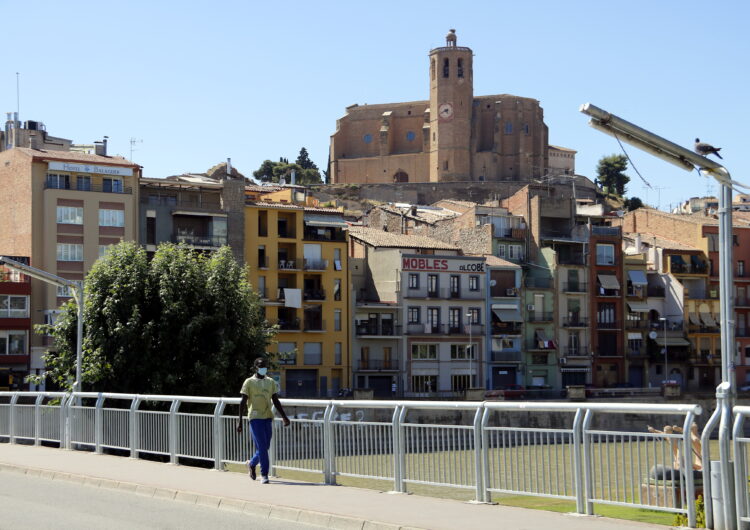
(198,82)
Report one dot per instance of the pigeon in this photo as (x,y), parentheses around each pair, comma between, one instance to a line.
(705,149)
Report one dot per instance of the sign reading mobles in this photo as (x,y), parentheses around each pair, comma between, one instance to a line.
(91,168)
(441,264)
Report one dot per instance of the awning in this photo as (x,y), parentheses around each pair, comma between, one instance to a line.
(638,307)
(204,214)
(635,336)
(609,281)
(572,369)
(508,315)
(637,277)
(325,220)
(694,320)
(672,341)
(708,319)
(511,305)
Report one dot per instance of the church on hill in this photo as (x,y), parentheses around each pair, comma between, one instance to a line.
(455,136)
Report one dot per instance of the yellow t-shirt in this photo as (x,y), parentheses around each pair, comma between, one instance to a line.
(259,392)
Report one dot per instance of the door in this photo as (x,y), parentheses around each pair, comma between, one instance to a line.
(503,376)
(381,385)
(538,307)
(301,383)
(635,376)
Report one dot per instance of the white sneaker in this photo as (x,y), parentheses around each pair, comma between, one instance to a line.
(265,480)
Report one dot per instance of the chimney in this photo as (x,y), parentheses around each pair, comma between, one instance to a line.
(32,137)
(414,211)
(229,168)
(293,179)
(100,148)
(638,243)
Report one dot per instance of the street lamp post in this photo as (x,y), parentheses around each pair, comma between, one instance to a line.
(666,356)
(471,350)
(78,295)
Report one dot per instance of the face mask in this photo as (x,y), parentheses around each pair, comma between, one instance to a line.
(262,371)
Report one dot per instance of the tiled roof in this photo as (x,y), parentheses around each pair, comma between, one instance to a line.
(74,156)
(494,261)
(382,239)
(287,206)
(430,216)
(266,189)
(658,241)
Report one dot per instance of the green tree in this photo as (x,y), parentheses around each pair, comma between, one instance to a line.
(303,160)
(305,170)
(611,173)
(633,203)
(183,323)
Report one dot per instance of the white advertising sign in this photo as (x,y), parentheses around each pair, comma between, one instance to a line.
(79,167)
(427,263)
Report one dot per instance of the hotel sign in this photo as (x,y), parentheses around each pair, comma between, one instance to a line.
(78,167)
(441,264)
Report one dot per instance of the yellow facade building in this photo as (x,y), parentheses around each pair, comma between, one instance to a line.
(297,260)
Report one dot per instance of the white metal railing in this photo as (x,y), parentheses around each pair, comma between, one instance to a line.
(742,468)
(484,447)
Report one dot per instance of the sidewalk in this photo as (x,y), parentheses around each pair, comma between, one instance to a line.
(317,504)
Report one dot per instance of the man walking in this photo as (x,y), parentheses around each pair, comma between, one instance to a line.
(261,392)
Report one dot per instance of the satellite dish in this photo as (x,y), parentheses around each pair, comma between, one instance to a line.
(653,335)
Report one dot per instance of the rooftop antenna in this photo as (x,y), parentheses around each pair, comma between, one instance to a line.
(133,141)
(18,93)
(658,189)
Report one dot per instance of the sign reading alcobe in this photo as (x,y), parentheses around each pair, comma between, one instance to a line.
(441,264)
(78,167)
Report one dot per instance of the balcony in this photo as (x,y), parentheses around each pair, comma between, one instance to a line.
(314,295)
(315,264)
(288,325)
(314,325)
(612,231)
(373,330)
(288,265)
(313,235)
(97,188)
(13,277)
(540,316)
(742,302)
(613,352)
(462,294)
(571,259)
(262,292)
(507,328)
(608,325)
(444,329)
(655,292)
(541,345)
(377,365)
(576,351)
(262,262)
(200,241)
(575,287)
(575,322)
(538,283)
(507,356)
(637,324)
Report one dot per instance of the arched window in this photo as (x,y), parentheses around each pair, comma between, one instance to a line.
(446,67)
(401,176)
(508,127)
(460,68)
(432,69)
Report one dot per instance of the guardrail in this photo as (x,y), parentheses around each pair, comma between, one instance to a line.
(490,447)
(741,451)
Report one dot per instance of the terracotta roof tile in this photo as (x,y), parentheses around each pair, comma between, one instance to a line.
(74,156)
(380,238)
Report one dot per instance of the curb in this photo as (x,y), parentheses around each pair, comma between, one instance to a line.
(256,509)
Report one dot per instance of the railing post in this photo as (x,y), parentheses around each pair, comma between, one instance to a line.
(12,418)
(218,435)
(687,465)
(401,455)
(588,487)
(133,420)
(478,452)
(38,419)
(397,472)
(69,422)
(578,462)
(706,458)
(740,478)
(329,449)
(64,423)
(485,456)
(99,424)
(173,431)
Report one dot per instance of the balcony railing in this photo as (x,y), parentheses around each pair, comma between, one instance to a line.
(314,294)
(507,328)
(315,264)
(575,322)
(314,325)
(575,287)
(636,352)
(571,259)
(656,292)
(576,351)
(378,365)
(540,316)
(13,277)
(538,283)
(444,329)
(288,264)
(507,356)
(637,324)
(605,230)
(98,188)
(608,325)
(288,324)
(312,235)
(200,241)
(384,330)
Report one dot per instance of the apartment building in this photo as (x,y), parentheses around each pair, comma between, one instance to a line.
(504,331)
(62,210)
(15,327)
(296,258)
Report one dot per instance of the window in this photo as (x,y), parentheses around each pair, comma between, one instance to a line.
(337,289)
(424,352)
(60,182)
(13,342)
(111,217)
(635,346)
(460,68)
(14,306)
(413,281)
(287,352)
(69,252)
(606,314)
(337,259)
(455,285)
(475,315)
(515,252)
(337,353)
(103,249)
(63,291)
(605,254)
(508,127)
(424,383)
(526,129)
(151,231)
(432,284)
(501,251)
(741,268)
(413,315)
(473,283)
(541,358)
(83,183)
(463,351)
(313,352)
(111,185)
(460,382)
(446,68)
(337,320)
(433,319)
(454,320)
(70,215)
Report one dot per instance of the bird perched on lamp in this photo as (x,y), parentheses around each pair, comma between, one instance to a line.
(705,149)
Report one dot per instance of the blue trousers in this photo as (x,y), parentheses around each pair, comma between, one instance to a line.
(261,431)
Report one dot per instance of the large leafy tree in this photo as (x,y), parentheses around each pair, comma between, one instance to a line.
(306,171)
(611,173)
(182,323)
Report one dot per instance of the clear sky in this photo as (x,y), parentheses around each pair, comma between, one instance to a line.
(197,82)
